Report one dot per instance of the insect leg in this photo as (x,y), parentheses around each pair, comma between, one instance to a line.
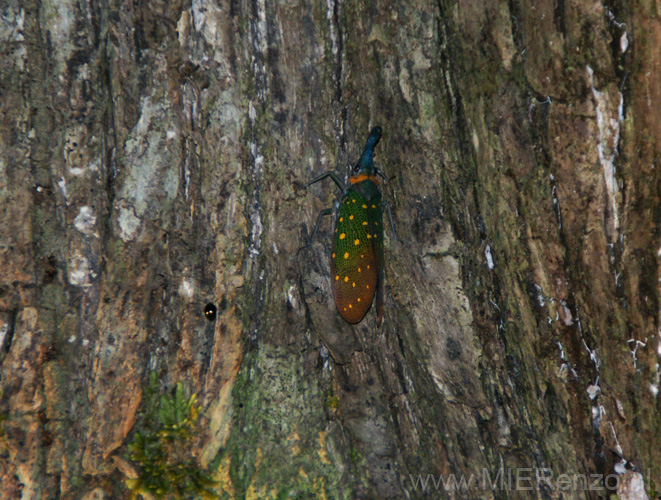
(326,211)
(385,178)
(392,224)
(332,175)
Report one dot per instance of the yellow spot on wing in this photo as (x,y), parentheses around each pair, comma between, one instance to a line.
(358,299)
(364,206)
(365,223)
(333,256)
(354,200)
(346,278)
(359,270)
(346,255)
(373,206)
(369,237)
(337,278)
(341,219)
(350,306)
(353,284)
(342,236)
(351,217)
(357,242)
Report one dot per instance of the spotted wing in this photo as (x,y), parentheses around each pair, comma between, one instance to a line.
(354,267)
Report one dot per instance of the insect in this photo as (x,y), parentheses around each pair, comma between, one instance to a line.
(356,262)
(210,311)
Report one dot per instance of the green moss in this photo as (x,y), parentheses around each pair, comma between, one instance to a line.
(279,446)
(652,490)
(168,425)
(3,417)
(356,457)
(333,402)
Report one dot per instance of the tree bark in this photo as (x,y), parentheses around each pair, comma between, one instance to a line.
(152,156)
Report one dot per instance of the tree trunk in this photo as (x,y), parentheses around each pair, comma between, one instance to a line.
(152,158)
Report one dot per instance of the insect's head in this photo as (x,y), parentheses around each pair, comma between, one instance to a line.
(366,163)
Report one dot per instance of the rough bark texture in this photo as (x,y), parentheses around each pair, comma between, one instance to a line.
(151,156)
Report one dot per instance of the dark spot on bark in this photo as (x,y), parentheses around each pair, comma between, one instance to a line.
(481,227)
(234,8)
(139,41)
(513,366)
(648,281)
(307,71)
(348,386)
(559,16)
(52,353)
(453,349)
(533,293)
(278,91)
(50,269)
(281,116)
(309,28)
(273,56)
(78,58)
(557,414)
(400,341)
(47,438)
(187,69)
(11,327)
(41,194)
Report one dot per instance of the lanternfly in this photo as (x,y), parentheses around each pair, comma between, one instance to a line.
(356,262)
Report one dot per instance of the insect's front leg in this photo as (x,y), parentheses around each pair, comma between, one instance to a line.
(326,211)
(332,175)
(392,224)
(377,171)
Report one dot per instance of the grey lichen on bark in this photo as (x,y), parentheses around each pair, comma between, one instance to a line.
(151,162)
